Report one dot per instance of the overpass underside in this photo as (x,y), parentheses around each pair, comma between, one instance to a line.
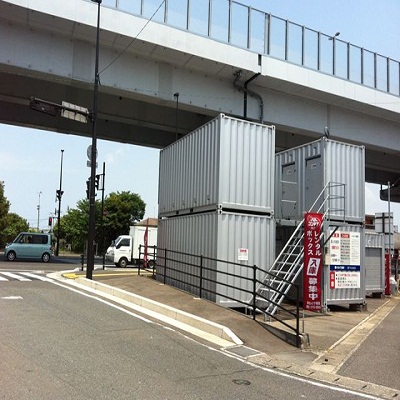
(165,83)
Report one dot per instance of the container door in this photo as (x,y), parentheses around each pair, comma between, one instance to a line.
(289,191)
(374,269)
(313,183)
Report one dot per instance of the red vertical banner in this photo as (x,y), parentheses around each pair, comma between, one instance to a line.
(146,241)
(312,271)
(388,290)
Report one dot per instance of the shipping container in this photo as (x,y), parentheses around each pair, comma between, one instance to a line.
(227,163)
(384,224)
(374,263)
(302,173)
(245,240)
(343,277)
(345,265)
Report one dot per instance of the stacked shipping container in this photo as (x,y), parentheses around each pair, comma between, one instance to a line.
(218,189)
(227,163)
(216,195)
(302,174)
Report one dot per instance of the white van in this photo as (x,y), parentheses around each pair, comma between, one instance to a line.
(30,245)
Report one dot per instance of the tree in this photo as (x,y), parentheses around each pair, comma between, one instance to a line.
(14,225)
(120,211)
(74,226)
(4,207)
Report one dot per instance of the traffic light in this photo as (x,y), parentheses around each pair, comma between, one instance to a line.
(50,221)
(88,188)
(97,182)
(59,194)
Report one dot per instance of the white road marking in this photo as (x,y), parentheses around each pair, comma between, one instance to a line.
(38,277)
(15,276)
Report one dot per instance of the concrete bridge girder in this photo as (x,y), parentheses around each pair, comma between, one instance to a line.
(53,58)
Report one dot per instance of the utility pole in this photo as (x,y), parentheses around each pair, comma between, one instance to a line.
(38,212)
(59,194)
(92,200)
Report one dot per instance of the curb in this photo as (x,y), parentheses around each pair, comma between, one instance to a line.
(224,337)
(211,331)
(195,322)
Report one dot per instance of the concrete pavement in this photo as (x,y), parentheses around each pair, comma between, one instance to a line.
(336,339)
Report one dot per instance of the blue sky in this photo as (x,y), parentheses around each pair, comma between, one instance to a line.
(30,159)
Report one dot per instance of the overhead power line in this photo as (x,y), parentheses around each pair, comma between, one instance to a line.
(132,41)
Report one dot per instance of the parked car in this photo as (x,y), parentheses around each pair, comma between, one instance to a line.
(30,245)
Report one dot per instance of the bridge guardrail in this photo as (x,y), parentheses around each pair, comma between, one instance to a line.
(240,25)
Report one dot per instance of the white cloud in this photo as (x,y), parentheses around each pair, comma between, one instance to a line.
(114,156)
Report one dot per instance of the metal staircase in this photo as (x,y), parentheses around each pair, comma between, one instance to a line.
(289,263)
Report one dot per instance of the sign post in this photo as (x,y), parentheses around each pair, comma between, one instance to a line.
(312,272)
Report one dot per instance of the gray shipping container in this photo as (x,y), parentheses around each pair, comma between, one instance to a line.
(384,224)
(374,263)
(344,275)
(227,163)
(239,238)
(303,172)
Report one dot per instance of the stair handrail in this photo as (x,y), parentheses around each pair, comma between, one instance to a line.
(287,243)
(295,233)
(328,198)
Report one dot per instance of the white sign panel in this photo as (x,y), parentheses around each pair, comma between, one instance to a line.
(345,260)
(243,254)
(345,248)
(347,279)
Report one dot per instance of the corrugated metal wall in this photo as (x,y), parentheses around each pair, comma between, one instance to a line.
(302,172)
(218,235)
(345,163)
(228,162)
(374,263)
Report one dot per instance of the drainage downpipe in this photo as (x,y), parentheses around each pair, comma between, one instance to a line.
(247,92)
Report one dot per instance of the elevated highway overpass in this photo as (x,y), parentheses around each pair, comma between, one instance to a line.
(166,70)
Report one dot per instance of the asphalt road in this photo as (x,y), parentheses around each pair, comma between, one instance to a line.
(378,359)
(55,264)
(56,342)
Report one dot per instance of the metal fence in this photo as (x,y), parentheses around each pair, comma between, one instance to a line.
(170,264)
(231,22)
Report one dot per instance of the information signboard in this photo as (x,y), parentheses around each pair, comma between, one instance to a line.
(345,256)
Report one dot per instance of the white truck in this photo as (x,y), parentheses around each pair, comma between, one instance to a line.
(124,249)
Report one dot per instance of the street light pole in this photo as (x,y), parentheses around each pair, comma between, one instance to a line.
(59,194)
(38,212)
(92,200)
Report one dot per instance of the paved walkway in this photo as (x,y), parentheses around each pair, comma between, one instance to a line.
(346,346)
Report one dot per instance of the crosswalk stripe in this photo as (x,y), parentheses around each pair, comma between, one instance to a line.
(15,276)
(3,279)
(34,276)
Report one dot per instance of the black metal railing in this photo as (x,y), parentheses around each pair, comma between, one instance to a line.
(148,264)
(231,283)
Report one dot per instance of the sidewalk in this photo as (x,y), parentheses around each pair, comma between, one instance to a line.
(333,337)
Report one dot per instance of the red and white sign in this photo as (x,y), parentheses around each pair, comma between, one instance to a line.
(312,271)
(243,254)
